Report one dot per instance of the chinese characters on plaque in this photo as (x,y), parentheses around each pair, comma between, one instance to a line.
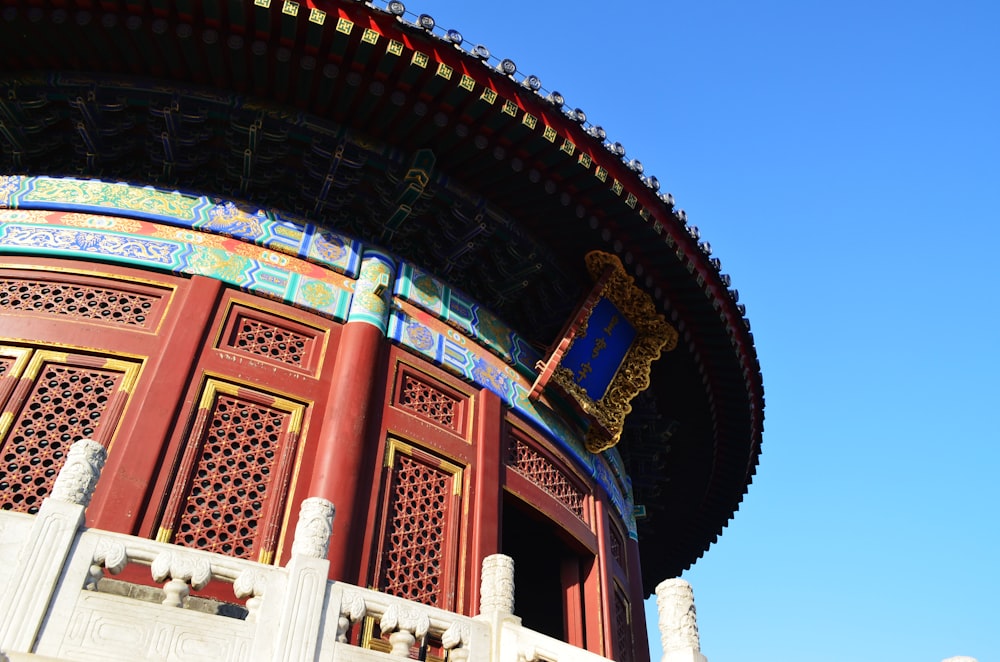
(603,357)
(595,357)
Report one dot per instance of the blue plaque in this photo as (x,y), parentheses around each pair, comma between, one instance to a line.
(595,357)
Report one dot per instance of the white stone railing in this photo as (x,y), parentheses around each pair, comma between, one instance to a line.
(55,602)
(404,623)
(519,644)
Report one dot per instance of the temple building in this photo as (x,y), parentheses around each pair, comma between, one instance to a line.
(384,350)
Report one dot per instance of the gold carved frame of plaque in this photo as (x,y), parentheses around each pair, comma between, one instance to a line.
(653,336)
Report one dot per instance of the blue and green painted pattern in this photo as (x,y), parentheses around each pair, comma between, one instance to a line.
(262,228)
(461,312)
(151,245)
(373,291)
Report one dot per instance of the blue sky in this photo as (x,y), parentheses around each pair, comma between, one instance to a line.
(843,159)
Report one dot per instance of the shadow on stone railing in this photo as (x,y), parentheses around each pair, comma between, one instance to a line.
(55,602)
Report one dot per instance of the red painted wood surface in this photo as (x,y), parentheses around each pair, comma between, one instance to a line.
(641,639)
(486,491)
(344,444)
(223,363)
(123,492)
(450,438)
(352,389)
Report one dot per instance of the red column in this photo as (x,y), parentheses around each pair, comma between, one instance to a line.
(487,491)
(341,470)
(602,620)
(636,598)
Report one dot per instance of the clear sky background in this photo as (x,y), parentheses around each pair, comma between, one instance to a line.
(843,159)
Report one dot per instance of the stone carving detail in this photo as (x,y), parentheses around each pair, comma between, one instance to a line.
(404,625)
(677,619)
(315,526)
(109,554)
(530,653)
(78,476)
(184,571)
(496,591)
(251,584)
(455,639)
(352,610)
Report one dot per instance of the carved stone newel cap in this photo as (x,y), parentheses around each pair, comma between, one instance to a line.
(677,620)
(496,591)
(313,531)
(77,479)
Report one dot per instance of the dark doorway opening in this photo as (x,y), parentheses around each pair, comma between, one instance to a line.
(547,577)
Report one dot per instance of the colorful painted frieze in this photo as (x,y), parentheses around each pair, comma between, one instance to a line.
(152,245)
(260,227)
(461,312)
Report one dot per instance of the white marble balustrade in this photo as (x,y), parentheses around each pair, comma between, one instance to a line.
(57,603)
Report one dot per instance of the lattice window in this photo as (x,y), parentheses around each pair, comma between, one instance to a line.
(77,300)
(6,364)
(271,341)
(414,547)
(623,629)
(617,544)
(232,476)
(430,402)
(64,404)
(537,468)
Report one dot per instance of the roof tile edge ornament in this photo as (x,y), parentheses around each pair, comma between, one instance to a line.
(653,337)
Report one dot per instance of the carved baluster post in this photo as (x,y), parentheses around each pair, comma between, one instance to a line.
(404,626)
(109,554)
(41,560)
(455,640)
(313,531)
(352,610)
(496,597)
(251,584)
(496,593)
(302,610)
(183,572)
(78,477)
(678,622)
